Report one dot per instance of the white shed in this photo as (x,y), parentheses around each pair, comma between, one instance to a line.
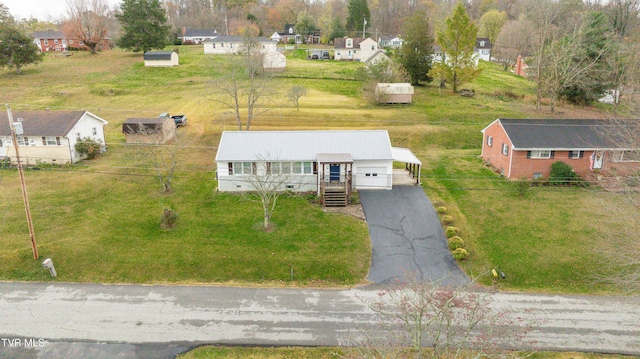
(161,58)
(394,93)
(274,61)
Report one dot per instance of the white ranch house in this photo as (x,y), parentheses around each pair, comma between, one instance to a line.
(50,136)
(355,49)
(330,163)
(224,45)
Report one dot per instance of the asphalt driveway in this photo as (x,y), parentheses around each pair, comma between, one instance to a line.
(407,237)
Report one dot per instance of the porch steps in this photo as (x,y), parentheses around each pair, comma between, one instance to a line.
(335,197)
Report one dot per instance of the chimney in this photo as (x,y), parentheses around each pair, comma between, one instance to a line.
(519,66)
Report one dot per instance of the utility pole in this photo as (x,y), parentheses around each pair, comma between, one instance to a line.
(25,195)
(364,25)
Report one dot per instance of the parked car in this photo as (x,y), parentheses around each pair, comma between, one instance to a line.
(179,120)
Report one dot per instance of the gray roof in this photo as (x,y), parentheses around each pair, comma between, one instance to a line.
(238,146)
(199,32)
(487,43)
(559,134)
(235,39)
(158,55)
(48,35)
(43,123)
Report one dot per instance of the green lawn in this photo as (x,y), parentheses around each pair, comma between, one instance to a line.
(98,220)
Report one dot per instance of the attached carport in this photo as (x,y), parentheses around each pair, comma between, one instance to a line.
(412,164)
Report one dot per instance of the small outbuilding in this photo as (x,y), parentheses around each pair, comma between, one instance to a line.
(274,61)
(161,58)
(394,93)
(149,130)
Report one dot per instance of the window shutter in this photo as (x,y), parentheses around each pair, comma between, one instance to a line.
(553,153)
(570,154)
(230,168)
(528,154)
(44,141)
(581,154)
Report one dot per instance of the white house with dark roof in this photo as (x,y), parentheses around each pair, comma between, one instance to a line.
(526,148)
(354,49)
(161,59)
(50,136)
(335,162)
(225,45)
(196,36)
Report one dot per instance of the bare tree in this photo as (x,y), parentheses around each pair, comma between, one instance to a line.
(623,14)
(514,40)
(88,22)
(155,151)
(268,180)
(452,321)
(295,93)
(247,86)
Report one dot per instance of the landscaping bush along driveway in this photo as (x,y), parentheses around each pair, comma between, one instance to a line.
(407,238)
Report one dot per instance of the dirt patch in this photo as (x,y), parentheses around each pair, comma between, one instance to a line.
(354,210)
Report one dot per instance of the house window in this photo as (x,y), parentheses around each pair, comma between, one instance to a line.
(490,141)
(70,41)
(49,141)
(230,165)
(373,47)
(243,168)
(505,149)
(46,41)
(349,43)
(78,136)
(307,167)
(543,154)
(94,131)
(537,175)
(297,167)
(482,43)
(55,41)
(574,155)
(23,141)
(286,167)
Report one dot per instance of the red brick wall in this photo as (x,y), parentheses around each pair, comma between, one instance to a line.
(493,154)
(526,167)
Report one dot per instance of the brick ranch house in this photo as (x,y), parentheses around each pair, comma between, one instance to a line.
(526,148)
(59,41)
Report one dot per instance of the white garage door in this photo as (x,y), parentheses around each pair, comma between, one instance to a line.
(371,177)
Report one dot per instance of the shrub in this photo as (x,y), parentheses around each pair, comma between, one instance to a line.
(88,147)
(438,203)
(460,254)
(447,220)
(521,187)
(169,219)
(562,173)
(452,231)
(455,242)
(441,210)
(354,198)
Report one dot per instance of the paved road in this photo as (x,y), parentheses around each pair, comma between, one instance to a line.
(159,321)
(407,237)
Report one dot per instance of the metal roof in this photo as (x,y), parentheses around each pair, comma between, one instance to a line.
(557,134)
(235,39)
(158,55)
(404,155)
(44,123)
(239,146)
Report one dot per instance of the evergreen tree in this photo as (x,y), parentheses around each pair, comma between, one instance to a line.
(415,53)
(358,15)
(144,25)
(17,48)
(457,39)
(338,30)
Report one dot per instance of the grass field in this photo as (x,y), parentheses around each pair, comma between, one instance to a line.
(98,220)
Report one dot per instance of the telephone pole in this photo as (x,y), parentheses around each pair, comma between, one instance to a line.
(25,195)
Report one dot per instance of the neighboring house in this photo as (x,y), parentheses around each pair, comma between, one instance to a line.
(394,93)
(287,36)
(526,148)
(196,36)
(483,48)
(149,130)
(274,61)
(330,163)
(354,49)
(50,136)
(224,45)
(390,42)
(161,59)
(58,41)
(481,51)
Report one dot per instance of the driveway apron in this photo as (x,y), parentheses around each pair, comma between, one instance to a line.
(407,238)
